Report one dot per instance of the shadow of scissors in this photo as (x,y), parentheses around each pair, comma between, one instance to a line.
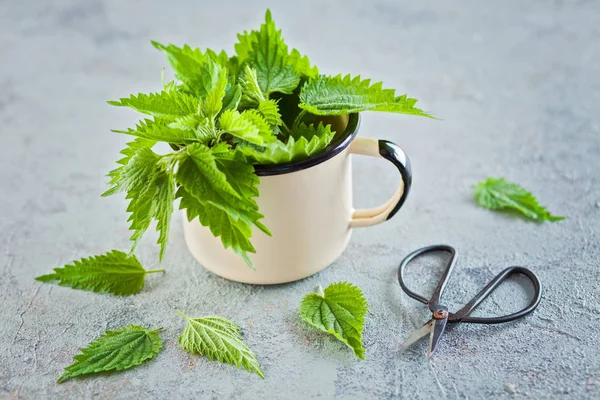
(440,316)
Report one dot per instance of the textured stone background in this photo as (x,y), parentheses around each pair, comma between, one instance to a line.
(517,85)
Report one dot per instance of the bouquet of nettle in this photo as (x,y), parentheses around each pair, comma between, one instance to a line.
(222,117)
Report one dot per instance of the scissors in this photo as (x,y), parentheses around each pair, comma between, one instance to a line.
(437,324)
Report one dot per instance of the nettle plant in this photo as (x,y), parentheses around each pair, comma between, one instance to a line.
(223,116)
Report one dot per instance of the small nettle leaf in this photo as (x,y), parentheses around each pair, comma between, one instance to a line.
(127,152)
(270,112)
(304,141)
(244,46)
(499,194)
(249,125)
(196,70)
(209,78)
(269,57)
(137,170)
(213,103)
(252,93)
(186,62)
(114,272)
(301,65)
(188,122)
(220,58)
(218,339)
(339,95)
(232,98)
(161,131)
(161,104)
(116,350)
(340,311)
(150,187)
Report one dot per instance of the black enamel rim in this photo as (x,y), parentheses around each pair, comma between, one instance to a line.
(337,145)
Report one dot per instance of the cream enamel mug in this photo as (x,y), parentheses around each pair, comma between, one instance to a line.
(308,207)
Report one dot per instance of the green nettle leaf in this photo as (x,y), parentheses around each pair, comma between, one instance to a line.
(162,104)
(221,58)
(303,142)
(218,339)
(269,57)
(116,350)
(150,186)
(339,311)
(213,103)
(186,62)
(222,222)
(270,112)
(201,165)
(218,188)
(244,46)
(127,152)
(232,98)
(198,71)
(499,194)
(339,95)
(301,65)
(114,272)
(249,125)
(161,131)
(252,93)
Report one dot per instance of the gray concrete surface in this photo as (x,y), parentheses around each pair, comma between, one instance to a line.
(517,85)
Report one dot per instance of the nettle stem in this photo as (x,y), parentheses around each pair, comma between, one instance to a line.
(155,270)
(299,118)
(320,291)
(287,130)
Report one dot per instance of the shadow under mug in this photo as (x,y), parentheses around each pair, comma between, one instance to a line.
(308,207)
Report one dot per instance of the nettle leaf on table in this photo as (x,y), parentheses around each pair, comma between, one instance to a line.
(339,311)
(116,350)
(304,141)
(218,339)
(339,95)
(114,272)
(499,194)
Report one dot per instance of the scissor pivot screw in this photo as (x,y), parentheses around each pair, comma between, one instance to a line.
(440,314)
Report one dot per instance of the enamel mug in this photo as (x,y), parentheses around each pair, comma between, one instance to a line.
(307,206)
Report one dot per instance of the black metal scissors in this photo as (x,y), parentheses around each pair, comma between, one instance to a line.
(437,324)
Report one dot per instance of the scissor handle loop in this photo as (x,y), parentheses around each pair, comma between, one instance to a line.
(434,300)
(462,315)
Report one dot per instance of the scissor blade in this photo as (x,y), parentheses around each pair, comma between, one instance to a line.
(437,330)
(418,334)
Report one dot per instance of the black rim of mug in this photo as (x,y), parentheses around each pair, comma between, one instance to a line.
(337,145)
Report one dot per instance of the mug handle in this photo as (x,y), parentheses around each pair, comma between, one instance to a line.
(393,153)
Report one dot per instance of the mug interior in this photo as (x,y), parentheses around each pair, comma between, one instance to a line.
(345,127)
